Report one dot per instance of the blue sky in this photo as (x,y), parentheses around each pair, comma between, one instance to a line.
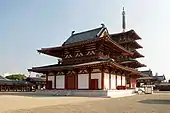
(28,25)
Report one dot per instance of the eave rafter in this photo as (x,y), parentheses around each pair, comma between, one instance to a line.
(132,64)
(136,54)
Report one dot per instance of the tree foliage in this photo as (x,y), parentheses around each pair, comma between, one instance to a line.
(16,77)
(43,76)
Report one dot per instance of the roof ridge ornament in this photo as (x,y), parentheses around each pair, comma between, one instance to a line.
(72,32)
(103,26)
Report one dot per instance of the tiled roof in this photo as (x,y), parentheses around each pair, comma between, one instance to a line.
(146,78)
(131,33)
(2,78)
(6,81)
(65,67)
(161,78)
(36,79)
(12,82)
(83,36)
(148,72)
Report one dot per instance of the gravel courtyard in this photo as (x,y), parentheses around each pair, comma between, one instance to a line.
(155,103)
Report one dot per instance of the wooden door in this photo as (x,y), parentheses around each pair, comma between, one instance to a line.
(94,84)
(70,82)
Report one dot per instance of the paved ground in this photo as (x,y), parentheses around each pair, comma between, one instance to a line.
(156,103)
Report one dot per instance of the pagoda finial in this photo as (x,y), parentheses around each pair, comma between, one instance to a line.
(123,20)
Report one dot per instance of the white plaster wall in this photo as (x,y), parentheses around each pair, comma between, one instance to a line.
(118,80)
(83,81)
(60,81)
(106,81)
(113,81)
(97,76)
(123,80)
(51,78)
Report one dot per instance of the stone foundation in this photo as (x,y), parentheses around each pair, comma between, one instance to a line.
(88,93)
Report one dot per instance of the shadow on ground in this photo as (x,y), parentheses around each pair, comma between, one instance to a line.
(155,101)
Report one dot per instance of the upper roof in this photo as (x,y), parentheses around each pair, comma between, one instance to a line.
(84,36)
(131,33)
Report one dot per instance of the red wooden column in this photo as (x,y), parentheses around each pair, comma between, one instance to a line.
(122,74)
(102,80)
(65,81)
(89,70)
(76,79)
(121,79)
(46,84)
(54,81)
(89,80)
(110,79)
(102,77)
(116,78)
(130,80)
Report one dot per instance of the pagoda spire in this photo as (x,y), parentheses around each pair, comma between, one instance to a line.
(123,20)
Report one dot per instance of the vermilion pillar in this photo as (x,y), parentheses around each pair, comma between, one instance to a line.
(76,80)
(121,79)
(109,80)
(46,85)
(54,81)
(89,79)
(116,79)
(102,79)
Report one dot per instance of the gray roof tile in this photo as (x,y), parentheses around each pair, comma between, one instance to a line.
(83,36)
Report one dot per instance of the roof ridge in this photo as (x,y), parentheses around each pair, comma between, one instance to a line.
(117,33)
(87,31)
(83,36)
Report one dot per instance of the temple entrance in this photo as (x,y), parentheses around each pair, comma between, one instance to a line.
(70,82)
(94,84)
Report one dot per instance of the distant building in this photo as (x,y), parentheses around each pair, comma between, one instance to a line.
(147,72)
(148,78)
(38,82)
(14,85)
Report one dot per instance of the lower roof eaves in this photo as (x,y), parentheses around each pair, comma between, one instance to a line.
(94,64)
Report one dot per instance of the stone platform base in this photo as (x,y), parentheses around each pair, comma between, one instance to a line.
(88,93)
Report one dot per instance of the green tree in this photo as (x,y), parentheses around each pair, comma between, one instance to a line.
(16,77)
(42,76)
